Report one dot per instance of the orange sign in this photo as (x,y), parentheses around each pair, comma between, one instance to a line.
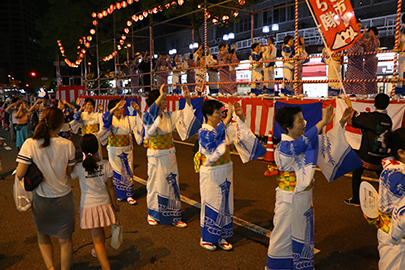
(337,21)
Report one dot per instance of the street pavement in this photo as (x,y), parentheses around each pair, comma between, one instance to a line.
(343,239)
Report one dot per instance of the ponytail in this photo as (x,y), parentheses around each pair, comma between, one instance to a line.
(52,119)
(89,146)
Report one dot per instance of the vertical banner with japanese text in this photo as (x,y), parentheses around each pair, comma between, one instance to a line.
(337,22)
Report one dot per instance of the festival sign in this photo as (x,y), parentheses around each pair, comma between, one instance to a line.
(337,22)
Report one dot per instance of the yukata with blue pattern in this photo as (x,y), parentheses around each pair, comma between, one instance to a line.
(292,239)
(257,73)
(288,52)
(116,133)
(216,181)
(391,200)
(163,197)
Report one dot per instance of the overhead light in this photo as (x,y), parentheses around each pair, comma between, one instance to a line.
(275,27)
(266,29)
(225,37)
(195,45)
(231,35)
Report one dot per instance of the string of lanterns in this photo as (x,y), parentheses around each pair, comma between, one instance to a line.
(85,41)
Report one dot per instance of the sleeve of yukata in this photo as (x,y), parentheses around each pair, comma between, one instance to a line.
(185,121)
(135,124)
(105,128)
(235,58)
(151,120)
(76,123)
(248,146)
(212,143)
(273,54)
(397,229)
(300,145)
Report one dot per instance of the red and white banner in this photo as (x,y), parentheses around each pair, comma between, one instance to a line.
(337,21)
(69,92)
(353,135)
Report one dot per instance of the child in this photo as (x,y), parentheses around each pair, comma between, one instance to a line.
(117,131)
(213,162)
(257,69)
(392,181)
(98,203)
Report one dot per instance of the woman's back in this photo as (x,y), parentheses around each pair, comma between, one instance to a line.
(52,161)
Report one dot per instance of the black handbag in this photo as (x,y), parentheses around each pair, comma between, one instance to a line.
(33,177)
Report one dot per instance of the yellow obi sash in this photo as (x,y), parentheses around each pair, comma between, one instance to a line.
(118,140)
(159,142)
(89,129)
(382,222)
(288,180)
(200,159)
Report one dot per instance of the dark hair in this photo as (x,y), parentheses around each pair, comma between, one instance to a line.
(52,118)
(374,29)
(90,100)
(191,56)
(89,145)
(285,116)
(152,97)
(209,106)
(15,99)
(287,39)
(271,39)
(221,45)
(395,140)
(381,101)
(254,45)
(403,18)
(113,103)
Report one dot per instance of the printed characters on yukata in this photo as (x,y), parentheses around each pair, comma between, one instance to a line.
(355,67)
(296,156)
(371,44)
(224,58)
(88,120)
(269,53)
(334,71)
(162,65)
(213,162)
(116,133)
(257,69)
(163,197)
(391,199)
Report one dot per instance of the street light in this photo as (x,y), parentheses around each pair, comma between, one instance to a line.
(231,36)
(195,45)
(225,37)
(174,51)
(275,27)
(266,29)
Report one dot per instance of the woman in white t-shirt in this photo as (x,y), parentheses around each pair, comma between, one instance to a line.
(98,200)
(53,206)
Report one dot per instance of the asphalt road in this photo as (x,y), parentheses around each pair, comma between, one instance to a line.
(343,237)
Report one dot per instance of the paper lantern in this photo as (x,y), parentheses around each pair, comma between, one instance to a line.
(167,5)
(92,31)
(119,47)
(123,37)
(135,18)
(124,4)
(105,13)
(89,38)
(129,23)
(180,2)
(109,10)
(95,22)
(81,55)
(112,7)
(60,48)
(215,21)
(126,30)
(118,5)
(93,14)
(235,13)
(145,14)
(225,17)
(83,51)
(242,2)
(174,3)
(155,10)
(87,44)
(100,15)
(150,11)
(130,2)
(78,47)
(140,17)
(121,42)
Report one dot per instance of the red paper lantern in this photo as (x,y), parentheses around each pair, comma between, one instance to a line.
(122,42)
(92,31)
(174,3)
(118,5)
(100,15)
(130,2)
(140,17)
(89,38)
(145,14)
(215,21)
(112,7)
(126,30)
(61,48)
(123,37)
(135,18)
(93,14)
(155,10)
(124,4)
(78,47)
(105,13)
(242,2)
(81,55)
(180,2)
(235,13)
(129,23)
(95,22)
(119,47)
(83,51)
(225,17)
(87,45)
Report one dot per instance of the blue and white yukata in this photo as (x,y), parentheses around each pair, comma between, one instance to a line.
(400,88)
(163,198)
(292,239)
(288,69)
(257,73)
(391,200)
(216,175)
(117,132)
(269,53)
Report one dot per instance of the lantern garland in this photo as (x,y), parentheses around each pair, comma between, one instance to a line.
(85,41)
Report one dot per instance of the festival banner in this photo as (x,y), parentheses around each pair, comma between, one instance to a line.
(337,22)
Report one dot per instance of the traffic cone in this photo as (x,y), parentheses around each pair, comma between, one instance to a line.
(270,148)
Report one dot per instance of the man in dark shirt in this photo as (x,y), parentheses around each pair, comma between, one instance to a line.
(373,125)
